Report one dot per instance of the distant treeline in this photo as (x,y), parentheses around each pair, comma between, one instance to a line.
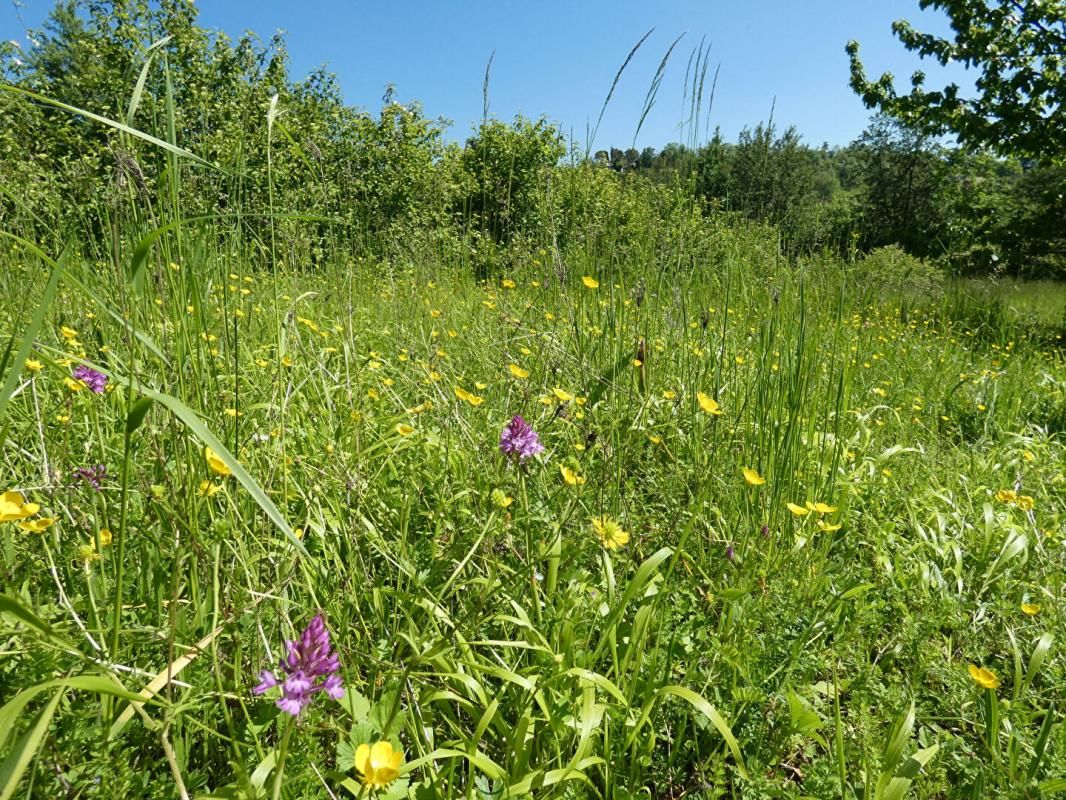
(336,181)
(971,211)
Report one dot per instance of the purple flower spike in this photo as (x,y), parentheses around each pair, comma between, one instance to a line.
(94,476)
(520,440)
(91,378)
(310,666)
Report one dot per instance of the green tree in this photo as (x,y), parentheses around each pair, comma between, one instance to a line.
(508,167)
(903,177)
(1019,48)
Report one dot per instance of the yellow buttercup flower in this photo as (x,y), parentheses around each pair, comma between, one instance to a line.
(562,395)
(752,477)
(472,399)
(217,465)
(404,429)
(500,498)
(1025,502)
(571,477)
(105,538)
(984,678)
(827,527)
(14,507)
(821,508)
(507,283)
(1006,495)
(609,532)
(708,404)
(378,764)
(208,489)
(518,372)
(33,365)
(38,525)
(799,511)
(1032,609)
(590,282)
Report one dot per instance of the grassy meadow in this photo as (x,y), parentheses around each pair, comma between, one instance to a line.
(771,525)
(834,508)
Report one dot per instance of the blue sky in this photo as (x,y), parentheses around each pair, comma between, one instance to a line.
(558,58)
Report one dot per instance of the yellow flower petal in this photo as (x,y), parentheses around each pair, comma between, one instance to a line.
(708,404)
(13,506)
(217,465)
(609,532)
(984,678)
(378,764)
(562,395)
(571,477)
(753,477)
(590,282)
(37,525)
(1032,609)
(518,372)
(799,511)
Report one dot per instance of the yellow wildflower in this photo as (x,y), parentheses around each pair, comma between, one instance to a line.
(1032,609)
(609,532)
(37,525)
(217,465)
(752,477)
(984,678)
(14,507)
(708,404)
(208,489)
(518,372)
(472,399)
(590,282)
(571,477)
(378,765)
(799,511)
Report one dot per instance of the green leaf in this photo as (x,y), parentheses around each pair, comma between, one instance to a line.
(28,338)
(138,90)
(701,705)
(135,418)
(25,748)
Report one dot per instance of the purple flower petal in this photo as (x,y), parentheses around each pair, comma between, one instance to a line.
(268,681)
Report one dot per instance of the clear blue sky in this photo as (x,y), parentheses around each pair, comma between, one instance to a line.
(559,58)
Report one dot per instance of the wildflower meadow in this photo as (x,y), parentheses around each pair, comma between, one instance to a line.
(641,506)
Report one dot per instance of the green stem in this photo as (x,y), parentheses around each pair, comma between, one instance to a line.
(283,752)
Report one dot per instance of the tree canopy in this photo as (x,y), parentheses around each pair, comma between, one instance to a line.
(1019,49)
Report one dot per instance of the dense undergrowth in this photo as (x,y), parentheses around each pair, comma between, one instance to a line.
(735,645)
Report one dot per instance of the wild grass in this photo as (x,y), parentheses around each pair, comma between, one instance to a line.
(812,578)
